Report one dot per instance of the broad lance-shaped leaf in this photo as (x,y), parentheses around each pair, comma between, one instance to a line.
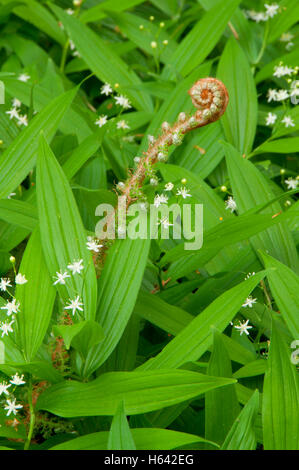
(201,40)
(36,298)
(221,405)
(196,338)
(118,289)
(120,436)
(240,119)
(141,392)
(280,397)
(284,285)
(144,438)
(102,60)
(251,188)
(242,435)
(62,232)
(20,157)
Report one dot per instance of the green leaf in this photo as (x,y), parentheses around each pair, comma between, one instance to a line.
(62,232)
(221,405)
(102,60)
(19,213)
(19,158)
(284,285)
(98,12)
(82,336)
(280,397)
(242,434)
(287,16)
(240,119)
(144,438)
(201,40)
(120,436)
(251,188)
(141,392)
(36,298)
(196,338)
(118,289)
(290,145)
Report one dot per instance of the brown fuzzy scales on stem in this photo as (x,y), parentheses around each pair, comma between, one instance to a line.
(210,97)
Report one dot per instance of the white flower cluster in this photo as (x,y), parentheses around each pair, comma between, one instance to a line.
(120,100)
(287,37)
(231,204)
(12,306)
(258,16)
(14,112)
(10,405)
(287,120)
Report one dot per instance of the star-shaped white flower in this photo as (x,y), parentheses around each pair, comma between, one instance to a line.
(69,11)
(11,307)
(75,305)
(101,121)
(6,328)
(288,121)
(20,279)
(3,388)
(286,37)
(165,222)
(169,186)
(272,95)
(243,327)
(76,266)
(106,89)
(24,77)
(22,120)
(60,278)
(122,101)
(282,95)
(122,125)
(291,183)
(230,203)
(92,245)
(270,119)
(271,10)
(4,283)
(249,302)
(282,70)
(160,199)
(184,192)
(12,407)
(17,380)
(13,113)
(16,103)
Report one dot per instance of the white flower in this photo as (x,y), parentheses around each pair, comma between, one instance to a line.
(272,95)
(101,121)
(160,199)
(16,103)
(4,283)
(270,119)
(165,222)
(11,307)
(184,192)
(249,275)
(282,70)
(169,186)
(243,327)
(24,77)
(291,183)
(106,89)
(282,95)
(289,45)
(271,10)
(286,37)
(6,328)
(3,388)
(70,11)
(92,245)
(17,380)
(76,266)
(230,203)
(20,279)
(60,278)
(154,45)
(75,305)
(122,101)
(22,120)
(154,181)
(11,195)
(288,121)
(259,16)
(122,125)
(13,113)
(12,407)
(249,302)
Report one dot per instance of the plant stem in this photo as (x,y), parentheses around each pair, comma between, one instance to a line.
(64,55)
(32,416)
